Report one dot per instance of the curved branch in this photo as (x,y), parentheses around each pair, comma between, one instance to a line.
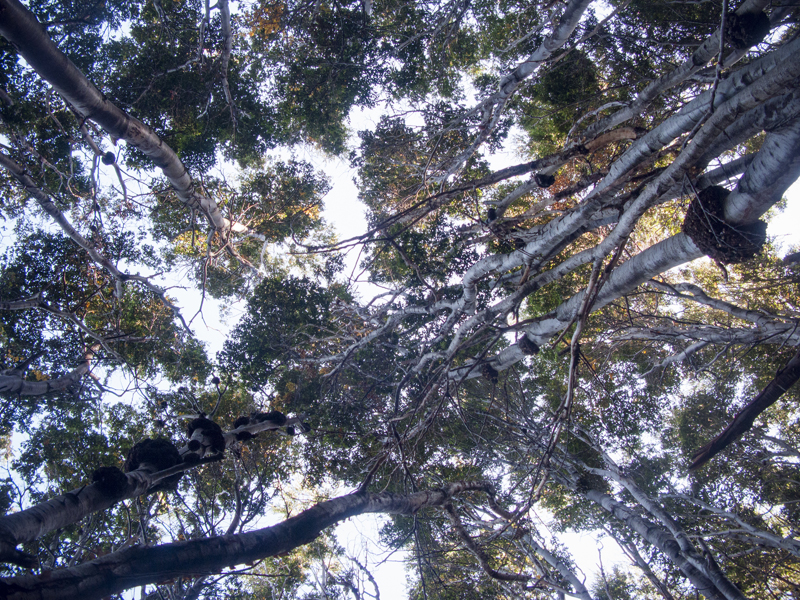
(143,565)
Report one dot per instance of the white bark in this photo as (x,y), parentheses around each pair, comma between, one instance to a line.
(739,525)
(774,333)
(15,383)
(775,168)
(706,583)
(692,65)
(578,589)
(20,27)
(492,107)
(696,294)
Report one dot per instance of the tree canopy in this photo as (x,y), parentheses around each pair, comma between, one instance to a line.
(596,335)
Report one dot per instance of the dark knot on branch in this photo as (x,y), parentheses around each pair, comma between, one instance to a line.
(705,224)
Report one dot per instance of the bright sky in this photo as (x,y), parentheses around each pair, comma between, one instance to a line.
(346,215)
(343,211)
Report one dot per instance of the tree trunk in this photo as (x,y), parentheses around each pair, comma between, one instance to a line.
(705,583)
(20,27)
(34,522)
(15,383)
(141,565)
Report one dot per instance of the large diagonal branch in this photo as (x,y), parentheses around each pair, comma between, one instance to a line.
(743,421)
(703,563)
(143,565)
(492,107)
(777,333)
(63,510)
(15,383)
(706,583)
(673,251)
(666,534)
(763,537)
(692,65)
(740,94)
(774,169)
(578,588)
(20,27)
(51,209)
(697,294)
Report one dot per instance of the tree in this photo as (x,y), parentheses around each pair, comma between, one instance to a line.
(547,338)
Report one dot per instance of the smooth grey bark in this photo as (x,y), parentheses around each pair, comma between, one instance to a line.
(688,559)
(664,255)
(673,251)
(706,583)
(15,383)
(752,534)
(20,27)
(773,115)
(34,522)
(491,108)
(691,66)
(143,565)
(692,292)
(775,168)
(30,524)
(737,95)
(26,304)
(709,334)
(579,590)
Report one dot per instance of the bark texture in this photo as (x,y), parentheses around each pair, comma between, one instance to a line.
(141,565)
(20,27)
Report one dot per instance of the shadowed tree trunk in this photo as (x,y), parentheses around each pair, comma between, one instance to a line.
(138,566)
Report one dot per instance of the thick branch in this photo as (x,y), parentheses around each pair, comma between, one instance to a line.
(20,27)
(143,565)
(16,384)
(32,523)
(743,421)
